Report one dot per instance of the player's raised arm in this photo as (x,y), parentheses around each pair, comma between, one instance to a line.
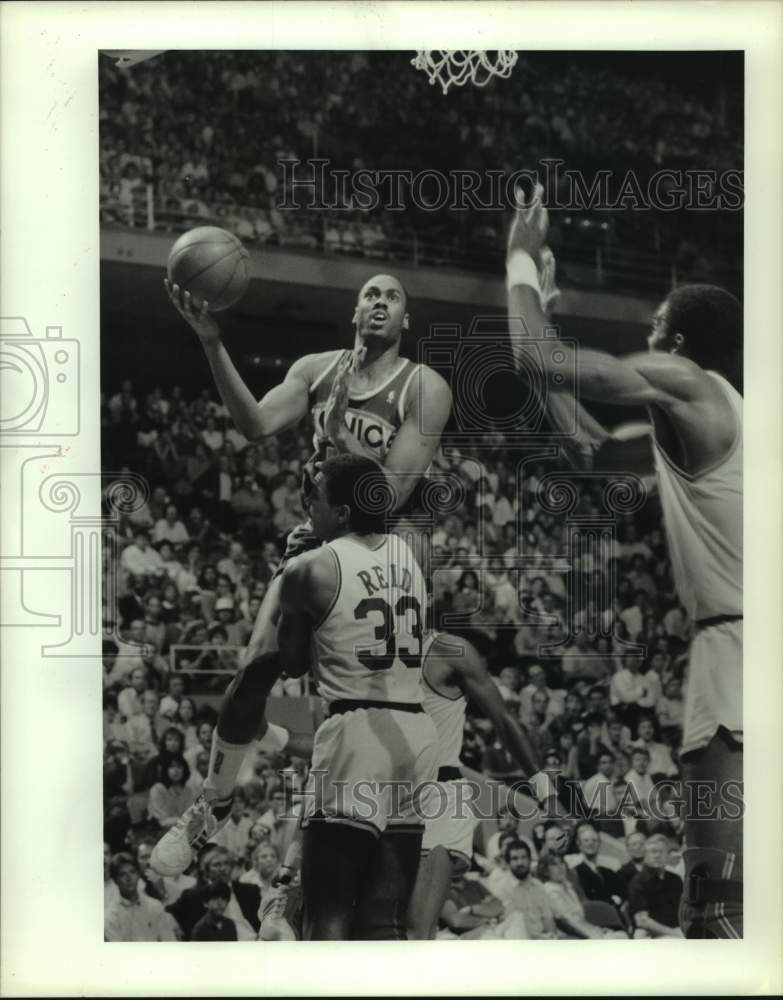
(418,439)
(580,442)
(482,691)
(637,379)
(280,408)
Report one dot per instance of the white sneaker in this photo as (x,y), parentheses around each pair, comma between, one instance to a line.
(174,851)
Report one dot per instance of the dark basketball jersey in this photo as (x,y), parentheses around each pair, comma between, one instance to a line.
(372,418)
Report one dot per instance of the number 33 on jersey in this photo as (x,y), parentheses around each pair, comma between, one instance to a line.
(369,643)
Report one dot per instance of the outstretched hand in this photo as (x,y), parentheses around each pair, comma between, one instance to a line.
(196,314)
(337,403)
(529,225)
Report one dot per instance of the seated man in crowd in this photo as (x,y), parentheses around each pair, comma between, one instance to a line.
(639,783)
(635,848)
(654,893)
(520,892)
(597,881)
(602,798)
(134,916)
(660,758)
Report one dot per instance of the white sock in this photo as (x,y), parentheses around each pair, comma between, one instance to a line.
(225,760)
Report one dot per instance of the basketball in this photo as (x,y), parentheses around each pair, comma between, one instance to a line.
(211,264)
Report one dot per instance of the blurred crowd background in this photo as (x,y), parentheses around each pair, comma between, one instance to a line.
(190,138)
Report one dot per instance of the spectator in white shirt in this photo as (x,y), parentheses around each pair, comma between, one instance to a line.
(660,758)
(234,564)
(129,699)
(134,916)
(651,678)
(504,509)
(170,796)
(175,691)
(144,729)
(140,559)
(212,436)
(633,616)
(537,679)
(671,709)
(599,788)
(639,780)
(265,863)
(505,593)
(676,623)
(625,691)
(170,528)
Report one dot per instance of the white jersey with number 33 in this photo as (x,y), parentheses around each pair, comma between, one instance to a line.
(369,644)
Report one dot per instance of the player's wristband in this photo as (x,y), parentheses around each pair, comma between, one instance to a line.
(521,270)
(274,739)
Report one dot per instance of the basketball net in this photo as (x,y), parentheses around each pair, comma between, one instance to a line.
(462,66)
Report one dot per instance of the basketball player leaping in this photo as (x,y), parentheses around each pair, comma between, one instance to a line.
(452,673)
(689,382)
(369,402)
(353,610)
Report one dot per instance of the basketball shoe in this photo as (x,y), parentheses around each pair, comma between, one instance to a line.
(176,849)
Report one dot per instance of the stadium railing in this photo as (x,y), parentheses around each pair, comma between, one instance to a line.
(589,255)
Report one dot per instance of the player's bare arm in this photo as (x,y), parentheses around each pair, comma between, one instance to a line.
(280,408)
(580,442)
(472,677)
(418,439)
(662,381)
(307,588)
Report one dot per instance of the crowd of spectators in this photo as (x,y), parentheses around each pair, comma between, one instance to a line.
(205,132)
(597,681)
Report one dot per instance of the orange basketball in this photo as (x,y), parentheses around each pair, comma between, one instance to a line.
(212,265)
